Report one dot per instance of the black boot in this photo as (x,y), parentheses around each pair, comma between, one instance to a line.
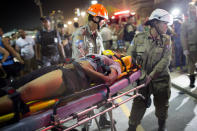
(162,125)
(132,128)
(192,81)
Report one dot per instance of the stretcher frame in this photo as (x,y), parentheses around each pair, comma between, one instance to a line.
(68,111)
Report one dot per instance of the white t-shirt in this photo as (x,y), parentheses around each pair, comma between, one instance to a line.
(26,47)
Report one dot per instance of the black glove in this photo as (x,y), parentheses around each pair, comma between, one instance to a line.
(148,99)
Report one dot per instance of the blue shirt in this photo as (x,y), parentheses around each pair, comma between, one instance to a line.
(9,60)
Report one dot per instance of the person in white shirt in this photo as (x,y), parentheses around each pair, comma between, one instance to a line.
(106,34)
(25,45)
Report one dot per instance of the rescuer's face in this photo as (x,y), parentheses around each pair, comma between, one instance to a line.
(95,25)
(162,27)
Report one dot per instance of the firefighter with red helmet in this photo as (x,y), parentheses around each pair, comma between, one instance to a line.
(87,40)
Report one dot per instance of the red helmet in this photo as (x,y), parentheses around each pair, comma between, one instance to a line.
(98,10)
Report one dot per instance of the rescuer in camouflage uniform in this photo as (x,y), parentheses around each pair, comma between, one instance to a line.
(87,40)
(153,51)
(189,41)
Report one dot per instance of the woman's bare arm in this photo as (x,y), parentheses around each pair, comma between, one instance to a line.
(99,77)
(11,50)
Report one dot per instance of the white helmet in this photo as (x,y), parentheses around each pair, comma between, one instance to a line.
(161,15)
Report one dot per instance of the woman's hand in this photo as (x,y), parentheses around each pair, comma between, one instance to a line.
(110,79)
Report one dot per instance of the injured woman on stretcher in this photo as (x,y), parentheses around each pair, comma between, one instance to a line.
(58,81)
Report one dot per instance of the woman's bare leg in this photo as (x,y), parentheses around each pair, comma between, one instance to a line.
(43,87)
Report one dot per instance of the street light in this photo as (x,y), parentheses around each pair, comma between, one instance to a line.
(83,14)
(75,19)
(94,2)
(69,22)
(132,13)
(65,25)
(113,17)
(175,12)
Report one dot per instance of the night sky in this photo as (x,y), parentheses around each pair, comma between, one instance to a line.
(25,14)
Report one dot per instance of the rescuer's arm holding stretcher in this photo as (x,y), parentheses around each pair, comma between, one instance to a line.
(59,82)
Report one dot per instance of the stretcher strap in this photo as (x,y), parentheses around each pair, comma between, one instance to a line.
(129,81)
(108,91)
(119,58)
(18,104)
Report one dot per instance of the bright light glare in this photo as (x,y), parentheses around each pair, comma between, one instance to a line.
(75,19)
(175,12)
(83,13)
(113,17)
(122,12)
(94,2)
(65,25)
(132,13)
(69,22)
(33,36)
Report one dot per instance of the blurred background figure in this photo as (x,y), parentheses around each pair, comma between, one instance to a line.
(179,56)
(75,25)
(48,44)
(106,34)
(12,65)
(13,40)
(129,31)
(25,45)
(189,41)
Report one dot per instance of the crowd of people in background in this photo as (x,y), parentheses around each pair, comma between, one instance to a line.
(116,35)
(149,38)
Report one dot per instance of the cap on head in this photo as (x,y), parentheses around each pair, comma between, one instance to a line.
(44,18)
(98,10)
(161,15)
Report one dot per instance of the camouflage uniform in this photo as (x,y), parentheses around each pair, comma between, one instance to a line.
(84,42)
(189,42)
(154,56)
